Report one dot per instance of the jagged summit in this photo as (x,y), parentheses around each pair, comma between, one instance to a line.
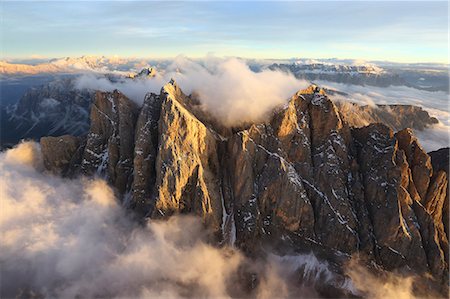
(312,89)
(62,108)
(305,179)
(173,91)
(148,72)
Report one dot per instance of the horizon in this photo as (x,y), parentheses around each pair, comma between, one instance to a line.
(35,60)
(398,32)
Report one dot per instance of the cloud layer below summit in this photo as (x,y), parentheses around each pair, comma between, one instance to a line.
(69,238)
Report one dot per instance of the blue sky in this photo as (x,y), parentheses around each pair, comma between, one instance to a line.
(394,31)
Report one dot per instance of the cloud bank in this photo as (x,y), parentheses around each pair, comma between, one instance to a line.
(435,103)
(227,88)
(234,94)
(67,238)
(72,238)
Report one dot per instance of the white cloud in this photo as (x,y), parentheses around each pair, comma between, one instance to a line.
(227,88)
(234,94)
(386,285)
(64,238)
(435,103)
(71,238)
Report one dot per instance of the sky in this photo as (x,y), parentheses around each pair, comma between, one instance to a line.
(386,31)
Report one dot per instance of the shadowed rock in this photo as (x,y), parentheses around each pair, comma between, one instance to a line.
(440,161)
(146,144)
(61,154)
(110,141)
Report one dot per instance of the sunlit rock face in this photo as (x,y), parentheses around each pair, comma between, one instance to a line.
(187,164)
(305,179)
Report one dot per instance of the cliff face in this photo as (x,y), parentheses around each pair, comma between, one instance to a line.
(187,164)
(145,150)
(305,177)
(110,141)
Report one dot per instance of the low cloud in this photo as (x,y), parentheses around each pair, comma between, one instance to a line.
(435,103)
(231,92)
(134,89)
(69,238)
(72,238)
(227,88)
(387,284)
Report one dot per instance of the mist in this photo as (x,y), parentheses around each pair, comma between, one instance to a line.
(234,94)
(69,238)
(227,88)
(435,103)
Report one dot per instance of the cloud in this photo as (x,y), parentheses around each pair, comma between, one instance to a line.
(386,284)
(435,103)
(227,88)
(134,89)
(231,92)
(72,238)
(435,137)
(69,238)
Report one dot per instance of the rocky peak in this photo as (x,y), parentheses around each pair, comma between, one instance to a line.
(187,162)
(147,72)
(304,179)
(321,148)
(145,150)
(311,89)
(110,141)
(292,128)
(385,176)
(418,160)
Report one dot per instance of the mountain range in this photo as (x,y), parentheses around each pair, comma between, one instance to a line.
(314,177)
(62,106)
(431,77)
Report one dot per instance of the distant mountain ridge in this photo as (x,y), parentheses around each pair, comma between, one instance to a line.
(431,77)
(61,107)
(70,65)
(56,108)
(365,74)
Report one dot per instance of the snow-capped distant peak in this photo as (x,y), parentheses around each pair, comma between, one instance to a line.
(66,65)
